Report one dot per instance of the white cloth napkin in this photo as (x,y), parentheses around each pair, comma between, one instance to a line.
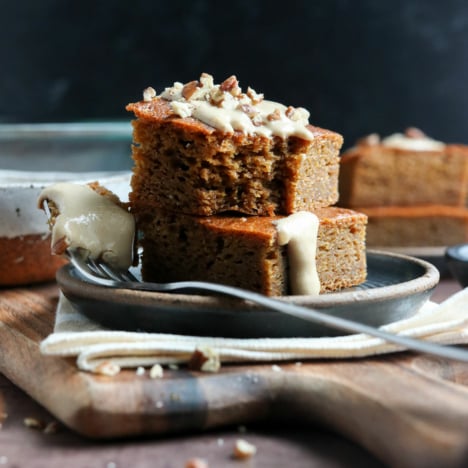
(94,346)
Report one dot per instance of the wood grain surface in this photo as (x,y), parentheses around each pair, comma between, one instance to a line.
(406,409)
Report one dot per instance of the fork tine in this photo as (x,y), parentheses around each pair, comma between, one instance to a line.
(97,268)
(100,269)
(128,276)
(80,262)
(108,270)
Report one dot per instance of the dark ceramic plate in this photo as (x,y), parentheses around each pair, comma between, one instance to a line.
(433,254)
(396,287)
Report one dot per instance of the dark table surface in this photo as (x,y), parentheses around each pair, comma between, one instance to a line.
(278,444)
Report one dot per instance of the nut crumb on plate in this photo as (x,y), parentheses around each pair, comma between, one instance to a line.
(156,372)
(196,463)
(244,449)
(204,359)
(34,423)
(107,368)
(51,427)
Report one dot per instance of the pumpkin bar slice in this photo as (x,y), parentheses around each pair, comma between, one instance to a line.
(204,149)
(247,251)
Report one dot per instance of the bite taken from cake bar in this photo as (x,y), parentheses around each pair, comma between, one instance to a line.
(203,148)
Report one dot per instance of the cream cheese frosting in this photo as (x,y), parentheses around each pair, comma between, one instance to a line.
(225,107)
(91,221)
(420,143)
(299,232)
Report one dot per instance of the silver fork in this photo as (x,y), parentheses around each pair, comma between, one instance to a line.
(99,272)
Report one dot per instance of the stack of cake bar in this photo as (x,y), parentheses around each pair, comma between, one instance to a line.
(216,169)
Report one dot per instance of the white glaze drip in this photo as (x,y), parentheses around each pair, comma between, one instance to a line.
(299,232)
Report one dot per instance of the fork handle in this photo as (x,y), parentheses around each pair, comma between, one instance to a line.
(306,313)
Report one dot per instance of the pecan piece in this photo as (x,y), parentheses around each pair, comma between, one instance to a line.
(290,111)
(369,140)
(206,80)
(257,120)
(216,97)
(276,115)
(249,110)
(413,132)
(107,368)
(156,372)
(244,449)
(228,84)
(196,463)
(205,360)
(254,96)
(149,94)
(34,423)
(189,88)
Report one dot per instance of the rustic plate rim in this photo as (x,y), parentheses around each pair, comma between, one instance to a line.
(428,279)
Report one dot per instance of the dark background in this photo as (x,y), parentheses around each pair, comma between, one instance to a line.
(358,66)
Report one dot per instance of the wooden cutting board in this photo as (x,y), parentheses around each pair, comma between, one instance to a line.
(408,410)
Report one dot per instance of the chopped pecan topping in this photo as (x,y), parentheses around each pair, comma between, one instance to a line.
(369,140)
(189,89)
(297,113)
(198,99)
(254,96)
(149,93)
(413,132)
(229,84)
(257,120)
(249,110)
(276,115)
(216,96)
(289,112)
(206,80)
